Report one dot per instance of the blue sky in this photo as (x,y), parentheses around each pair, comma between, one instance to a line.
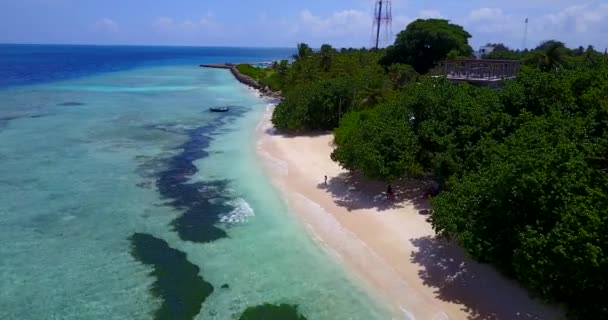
(284,23)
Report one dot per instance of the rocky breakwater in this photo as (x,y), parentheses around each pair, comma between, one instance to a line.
(245,79)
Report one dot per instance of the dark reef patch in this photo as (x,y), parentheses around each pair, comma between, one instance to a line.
(71,104)
(10,118)
(178,282)
(5,119)
(203,203)
(272,312)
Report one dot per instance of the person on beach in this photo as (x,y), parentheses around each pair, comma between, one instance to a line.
(325,180)
(389,193)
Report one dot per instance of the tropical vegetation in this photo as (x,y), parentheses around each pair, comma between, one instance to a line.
(268,77)
(523,170)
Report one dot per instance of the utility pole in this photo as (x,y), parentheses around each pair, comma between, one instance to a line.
(526,35)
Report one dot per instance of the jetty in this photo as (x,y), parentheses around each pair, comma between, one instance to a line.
(244,79)
(219,65)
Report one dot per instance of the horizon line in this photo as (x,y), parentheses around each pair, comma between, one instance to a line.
(142,45)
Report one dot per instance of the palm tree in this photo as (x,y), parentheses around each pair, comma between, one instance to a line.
(304,51)
(592,57)
(326,53)
(550,55)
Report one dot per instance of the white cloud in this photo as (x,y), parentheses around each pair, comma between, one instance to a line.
(342,28)
(493,21)
(351,27)
(430,14)
(106,25)
(578,19)
(194,31)
(164,24)
(575,25)
(340,23)
(484,14)
(487,21)
(169,26)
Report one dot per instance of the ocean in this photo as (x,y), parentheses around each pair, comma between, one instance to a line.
(122,197)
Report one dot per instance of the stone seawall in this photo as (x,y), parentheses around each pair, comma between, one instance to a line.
(245,79)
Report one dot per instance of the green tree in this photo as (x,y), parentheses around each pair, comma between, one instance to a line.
(373,86)
(282,69)
(498,47)
(524,168)
(326,54)
(401,74)
(538,210)
(304,51)
(380,144)
(315,106)
(424,43)
(537,206)
(549,56)
(502,52)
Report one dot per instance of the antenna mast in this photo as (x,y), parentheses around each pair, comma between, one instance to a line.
(526,35)
(383,18)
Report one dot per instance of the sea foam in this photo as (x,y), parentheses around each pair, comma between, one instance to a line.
(242,211)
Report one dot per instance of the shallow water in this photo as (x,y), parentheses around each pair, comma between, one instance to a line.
(87,163)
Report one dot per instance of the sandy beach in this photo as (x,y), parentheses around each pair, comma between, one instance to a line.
(389,246)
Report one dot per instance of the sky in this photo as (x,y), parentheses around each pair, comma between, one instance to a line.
(284,23)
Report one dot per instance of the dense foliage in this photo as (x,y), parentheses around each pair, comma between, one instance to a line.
(319,87)
(424,43)
(451,126)
(373,76)
(314,106)
(269,77)
(549,55)
(538,206)
(524,169)
(381,143)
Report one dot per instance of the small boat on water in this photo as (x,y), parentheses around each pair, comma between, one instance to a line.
(220,109)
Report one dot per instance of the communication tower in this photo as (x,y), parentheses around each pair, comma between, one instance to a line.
(383,19)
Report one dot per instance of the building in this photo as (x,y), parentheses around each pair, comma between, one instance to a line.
(483,72)
(483,51)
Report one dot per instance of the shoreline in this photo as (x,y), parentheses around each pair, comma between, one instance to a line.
(390,248)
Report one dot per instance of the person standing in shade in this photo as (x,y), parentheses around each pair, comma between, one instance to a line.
(389,193)
(325,180)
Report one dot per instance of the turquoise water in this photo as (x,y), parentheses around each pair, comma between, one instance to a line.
(87,163)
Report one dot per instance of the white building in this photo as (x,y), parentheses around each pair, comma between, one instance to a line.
(483,51)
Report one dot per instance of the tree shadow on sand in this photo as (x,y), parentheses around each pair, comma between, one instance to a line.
(483,292)
(355,192)
(308,134)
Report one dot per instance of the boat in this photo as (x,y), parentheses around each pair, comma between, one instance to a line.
(221,109)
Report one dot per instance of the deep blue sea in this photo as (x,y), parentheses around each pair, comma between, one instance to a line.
(122,197)
(28,64)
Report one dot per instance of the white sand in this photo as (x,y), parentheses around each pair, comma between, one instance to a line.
(389,246)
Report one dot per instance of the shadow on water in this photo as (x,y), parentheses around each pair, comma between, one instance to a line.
(202,203)
(4,119)
(71,104)
(178,282)
(272,312)
(355,192)
(483,293)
